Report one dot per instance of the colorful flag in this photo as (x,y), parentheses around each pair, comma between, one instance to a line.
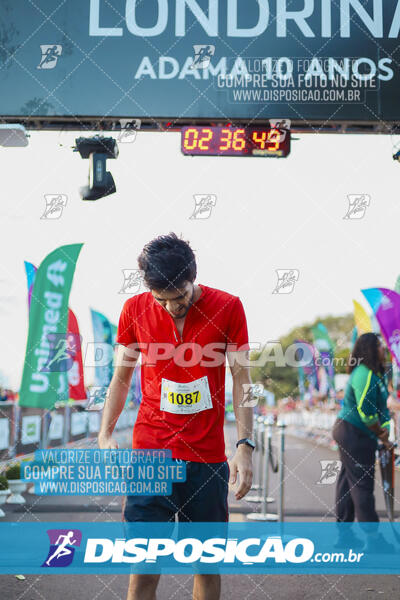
(103,339)
(361,318)
(75,374)
(321,337)
(47,359)
(302,389)
(325,347)
(386,305)
(114,329)
(30,271)
(395,368)
(397,285)
(354,336)
(309,370)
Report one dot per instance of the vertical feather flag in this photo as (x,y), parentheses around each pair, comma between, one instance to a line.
(75,376)
(44,380)
(386,305)
(325,347)
(103,339)
(361,318)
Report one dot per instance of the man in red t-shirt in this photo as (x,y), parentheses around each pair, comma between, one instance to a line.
(184,332)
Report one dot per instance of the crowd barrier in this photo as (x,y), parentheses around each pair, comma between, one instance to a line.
(24,430)
(317,424)
(310,419)
(265,429)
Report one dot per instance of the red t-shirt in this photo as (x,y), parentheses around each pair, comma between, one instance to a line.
(216,319)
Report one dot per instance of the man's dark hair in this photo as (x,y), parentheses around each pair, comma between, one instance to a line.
(365,351)
(167,262)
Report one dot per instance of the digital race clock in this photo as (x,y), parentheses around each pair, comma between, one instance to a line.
(235,141)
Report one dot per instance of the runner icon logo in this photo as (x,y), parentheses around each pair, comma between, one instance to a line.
(96,397)
(329,471)
(202,56)
(62,547)
(252,393)
(133,279)
(55,204)
(203,205)
(286,280)
(129,129)
(63,347)
(50,55)
(357,206)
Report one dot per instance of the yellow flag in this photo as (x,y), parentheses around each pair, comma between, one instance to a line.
(363,322)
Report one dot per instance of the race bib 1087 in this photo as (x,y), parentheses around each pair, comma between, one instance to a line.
(185,398)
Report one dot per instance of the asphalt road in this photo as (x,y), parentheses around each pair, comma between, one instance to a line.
(305,500)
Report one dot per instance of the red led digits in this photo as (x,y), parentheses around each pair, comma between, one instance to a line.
(235,141)
(226,138)
(190,134)
(239,140)
(275,137)
(259,137)
(207,136)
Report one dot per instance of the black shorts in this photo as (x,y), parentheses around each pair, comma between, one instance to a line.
(202,497)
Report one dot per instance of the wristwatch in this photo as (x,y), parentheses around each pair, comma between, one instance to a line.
(246,441)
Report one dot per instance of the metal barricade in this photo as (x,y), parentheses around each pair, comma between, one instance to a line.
(258,452)
(270,465)
(264,430)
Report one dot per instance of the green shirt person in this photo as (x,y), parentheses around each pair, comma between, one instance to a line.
(362,421)
(365,402)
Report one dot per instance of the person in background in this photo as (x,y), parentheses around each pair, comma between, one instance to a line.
(363,420)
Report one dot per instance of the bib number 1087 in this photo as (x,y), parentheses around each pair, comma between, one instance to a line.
(184,399)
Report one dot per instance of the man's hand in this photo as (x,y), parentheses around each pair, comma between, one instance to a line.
(106,442)
(384,438)
(241,464)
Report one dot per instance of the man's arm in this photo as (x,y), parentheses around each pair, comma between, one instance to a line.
(241,462)
(382,433)
(116,397)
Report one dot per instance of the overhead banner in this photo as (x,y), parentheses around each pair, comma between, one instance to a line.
(248,59)
(43,378)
